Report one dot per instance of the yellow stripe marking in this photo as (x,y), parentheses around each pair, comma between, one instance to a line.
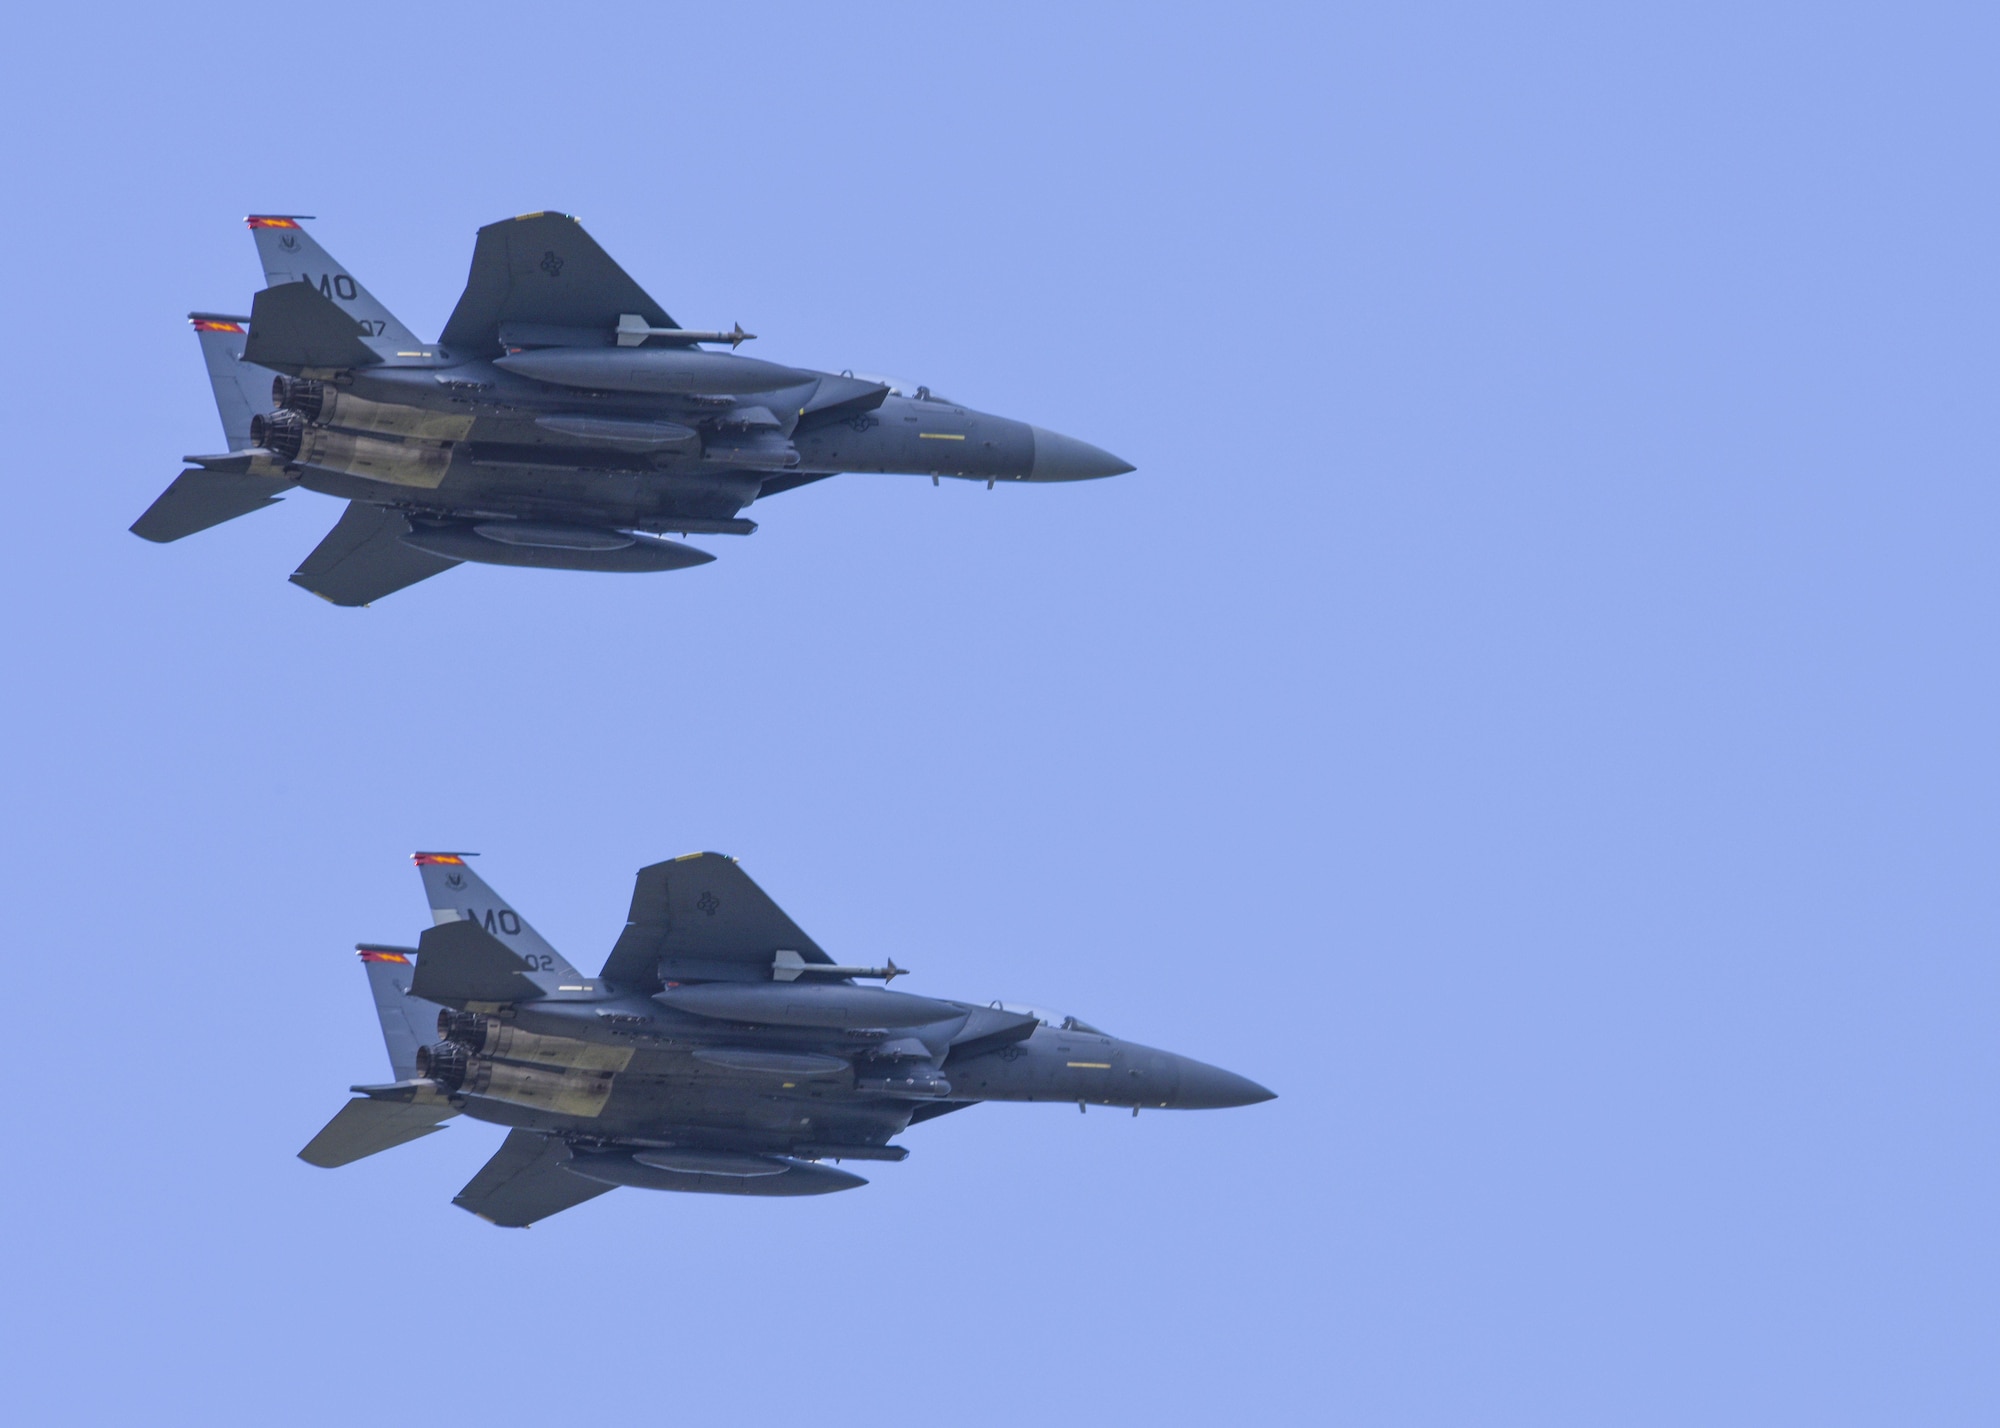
(940,436)
(1092,1065)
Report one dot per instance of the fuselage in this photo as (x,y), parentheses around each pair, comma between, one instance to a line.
(789,1070)
(473,439)
(563,420)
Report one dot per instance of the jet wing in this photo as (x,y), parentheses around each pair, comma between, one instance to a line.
(700,916)
(364,558)
(199,499)
(525,1182)
(542,268)
(366,1126)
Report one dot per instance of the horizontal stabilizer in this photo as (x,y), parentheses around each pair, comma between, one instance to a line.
(365,1126)
(292,327)
(364,558)
(525,1182)
(200,499)
(463,962)
(249,461)
(543,268)
(702,917)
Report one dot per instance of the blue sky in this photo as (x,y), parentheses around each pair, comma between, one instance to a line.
(1532,707)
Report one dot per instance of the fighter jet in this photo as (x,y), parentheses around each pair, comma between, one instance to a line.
(562,420)
(720,1050)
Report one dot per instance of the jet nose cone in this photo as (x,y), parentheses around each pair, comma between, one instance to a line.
(1209,1088)
(1064,458)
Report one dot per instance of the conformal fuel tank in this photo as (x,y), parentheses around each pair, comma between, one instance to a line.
(664,370)
(799,1004)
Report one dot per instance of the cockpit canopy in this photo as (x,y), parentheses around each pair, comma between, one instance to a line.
(1053,1019)
(897,386)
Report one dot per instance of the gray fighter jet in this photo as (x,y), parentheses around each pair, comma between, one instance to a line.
(563,420)
(720,1050)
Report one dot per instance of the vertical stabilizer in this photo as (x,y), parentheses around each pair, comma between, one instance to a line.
(407,1022)
(242,389)
(290,255)
(456,892)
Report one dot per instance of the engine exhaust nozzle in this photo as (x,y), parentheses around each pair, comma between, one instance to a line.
(443,1063)
(468,1029)
(281,432)
(304,395)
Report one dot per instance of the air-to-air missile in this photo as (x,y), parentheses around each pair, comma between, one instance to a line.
(720,1050)
(563,420)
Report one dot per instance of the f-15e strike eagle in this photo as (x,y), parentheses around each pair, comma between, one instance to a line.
(563,420)
(720,1050)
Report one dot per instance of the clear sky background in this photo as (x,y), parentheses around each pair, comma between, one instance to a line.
(1533,707)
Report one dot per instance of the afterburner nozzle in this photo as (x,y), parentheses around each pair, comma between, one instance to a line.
(281,432)
(444,1063)
(466,1028)
(304,395)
